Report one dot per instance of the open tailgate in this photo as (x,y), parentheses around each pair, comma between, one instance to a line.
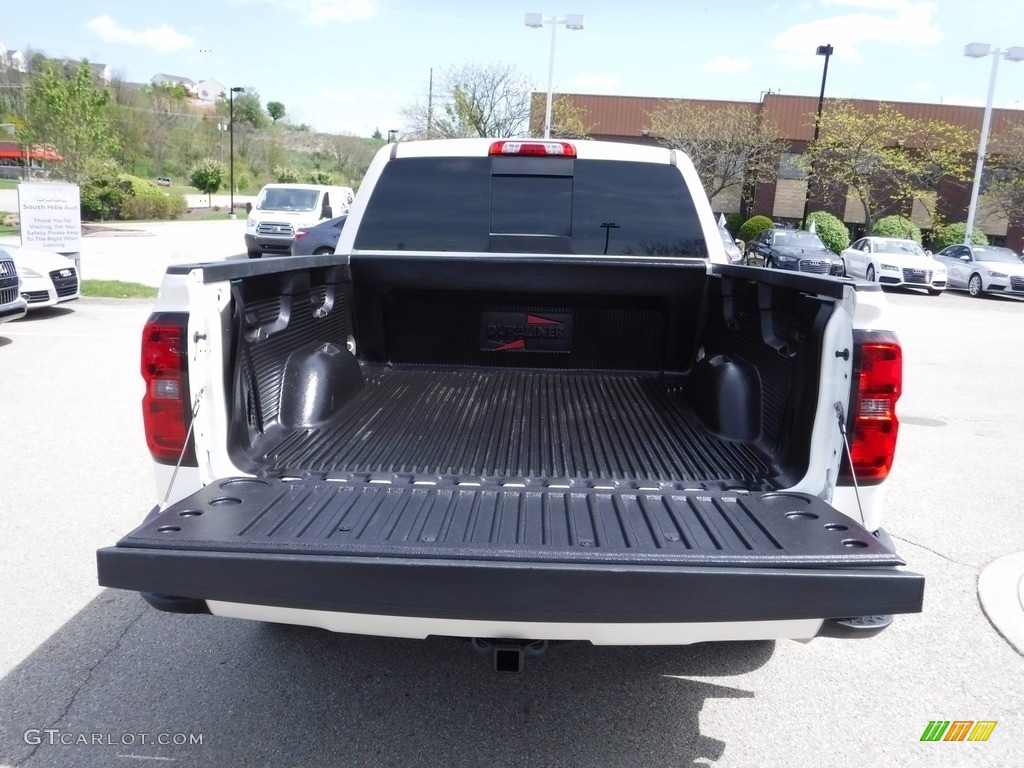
(420,547)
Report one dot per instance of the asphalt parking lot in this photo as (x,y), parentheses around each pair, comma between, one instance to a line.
(80,662)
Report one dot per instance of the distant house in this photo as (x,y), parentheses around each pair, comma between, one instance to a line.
(99,71)
(186,83)
(15,60)
(209,91)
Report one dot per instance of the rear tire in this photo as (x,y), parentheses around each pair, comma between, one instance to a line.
(323,251)
(255,254)
(870,274)
(974,286)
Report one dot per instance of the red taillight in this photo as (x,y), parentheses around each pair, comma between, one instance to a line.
(301,234)
(524,147)
(166,408)
(873,426)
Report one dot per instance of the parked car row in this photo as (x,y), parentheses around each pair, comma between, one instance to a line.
(45,278)
(978,269)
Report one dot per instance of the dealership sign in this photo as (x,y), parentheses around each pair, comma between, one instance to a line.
(51,216)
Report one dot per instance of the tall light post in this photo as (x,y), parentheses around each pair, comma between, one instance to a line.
(826,51)
(980,51)
(231,145)
(536,21)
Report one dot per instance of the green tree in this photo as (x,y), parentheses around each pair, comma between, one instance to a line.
(732,147)
(952,234)
(207,176)
(1004,192)
(320,177)
(568,121)
(247,109)
(831,230)
(897,226)
(276,110)
(70,112)
(377,135)
(885,159)
(473,100)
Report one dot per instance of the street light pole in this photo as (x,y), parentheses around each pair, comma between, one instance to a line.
(231,146)
(826,51)
(978,51)
(536,21)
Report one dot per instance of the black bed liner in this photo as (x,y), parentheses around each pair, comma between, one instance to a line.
(409,545)
(500,424)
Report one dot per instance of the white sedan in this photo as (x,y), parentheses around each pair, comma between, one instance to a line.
(894,261)
(47,278)
(984,269)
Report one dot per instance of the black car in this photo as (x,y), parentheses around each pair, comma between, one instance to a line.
(795,249)
(319,239)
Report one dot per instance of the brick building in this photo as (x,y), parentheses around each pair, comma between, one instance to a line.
(627,118)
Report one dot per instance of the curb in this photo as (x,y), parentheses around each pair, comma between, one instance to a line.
(1001,592)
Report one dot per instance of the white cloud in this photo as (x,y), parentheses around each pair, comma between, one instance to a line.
(891,22)
(599,82)
(725,65)
(320,13)
(163,39)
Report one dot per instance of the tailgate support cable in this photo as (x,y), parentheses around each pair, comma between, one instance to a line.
(849,457)
(184,446)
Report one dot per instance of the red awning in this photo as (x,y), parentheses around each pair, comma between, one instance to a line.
(11,150)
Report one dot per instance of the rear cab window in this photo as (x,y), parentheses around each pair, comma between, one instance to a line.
(532,205)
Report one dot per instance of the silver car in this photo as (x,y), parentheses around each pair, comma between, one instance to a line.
(982,269)
(732,250)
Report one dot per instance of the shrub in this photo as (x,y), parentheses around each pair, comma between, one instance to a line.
(320,177)
(897,226)
(954,233)
(245,184)
(752,226)
(733,222)
(102,196)
(285,175)
(831,230)
(145,200)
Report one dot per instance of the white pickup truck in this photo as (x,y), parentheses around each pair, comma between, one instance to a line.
(528,399)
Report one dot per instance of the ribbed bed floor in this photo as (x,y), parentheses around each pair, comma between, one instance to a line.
(525,424)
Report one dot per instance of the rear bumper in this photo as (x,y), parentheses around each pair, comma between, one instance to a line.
(509,591)
(578,565)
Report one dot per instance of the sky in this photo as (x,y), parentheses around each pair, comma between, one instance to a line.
(353,66)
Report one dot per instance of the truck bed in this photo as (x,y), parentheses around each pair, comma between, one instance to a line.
(661,378)
(519,424)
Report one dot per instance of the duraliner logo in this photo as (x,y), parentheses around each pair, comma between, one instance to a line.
(525,331)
